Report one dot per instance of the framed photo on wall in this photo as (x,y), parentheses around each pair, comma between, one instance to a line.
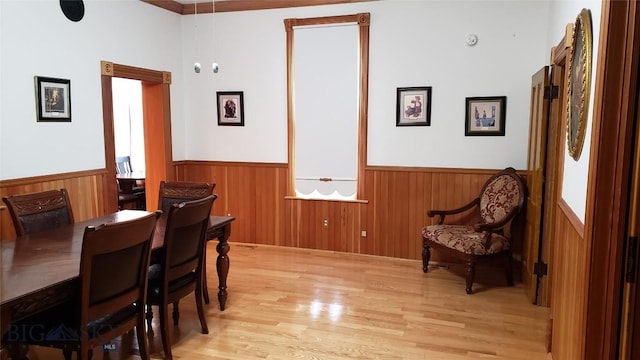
(230,108)
(413,106)
(53,99)
(485,116)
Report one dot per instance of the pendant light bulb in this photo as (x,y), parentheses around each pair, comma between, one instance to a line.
(197,67)
(215,67)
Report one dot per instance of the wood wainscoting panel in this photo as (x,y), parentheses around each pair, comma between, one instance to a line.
(252,192)
(398,202)
(393,211)
(569,287)
(324,224)
(399,198)
(84,187)
(392,214)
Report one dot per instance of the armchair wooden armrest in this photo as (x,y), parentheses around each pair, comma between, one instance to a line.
(492,227)
(443,213)
(496,225)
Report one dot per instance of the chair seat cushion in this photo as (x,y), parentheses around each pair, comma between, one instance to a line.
(154,289)
(465,239)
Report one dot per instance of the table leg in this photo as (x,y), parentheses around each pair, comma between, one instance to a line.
(222,265)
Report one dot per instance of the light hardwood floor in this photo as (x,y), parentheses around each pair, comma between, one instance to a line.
(287,303)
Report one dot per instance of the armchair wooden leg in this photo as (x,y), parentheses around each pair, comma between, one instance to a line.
(426,255)
(471,273)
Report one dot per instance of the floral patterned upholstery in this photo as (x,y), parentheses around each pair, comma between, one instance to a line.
(465,239)
(499,197)
(497,205)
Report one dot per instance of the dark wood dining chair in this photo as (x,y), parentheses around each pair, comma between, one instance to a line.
(129,191)
(111,295)
(39,211)
(488,237)
(123,164)
(131,197)
(175,192)
(178,272)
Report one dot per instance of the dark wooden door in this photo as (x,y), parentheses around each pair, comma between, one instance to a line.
(539,120)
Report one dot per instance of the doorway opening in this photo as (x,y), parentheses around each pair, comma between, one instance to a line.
(156,119)
(128,125)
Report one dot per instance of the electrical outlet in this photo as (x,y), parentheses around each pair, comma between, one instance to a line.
(325,223)
(363,233)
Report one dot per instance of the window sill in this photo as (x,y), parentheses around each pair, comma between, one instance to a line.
(327,199)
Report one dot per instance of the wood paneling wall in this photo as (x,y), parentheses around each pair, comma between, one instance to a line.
(569,286)
(399,199)
(306,229)
(85,193)
(252,192)
(392,213)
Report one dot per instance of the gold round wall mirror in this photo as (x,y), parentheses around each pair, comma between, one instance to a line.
(579,82)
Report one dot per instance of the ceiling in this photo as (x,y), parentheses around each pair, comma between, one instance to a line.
(186,7)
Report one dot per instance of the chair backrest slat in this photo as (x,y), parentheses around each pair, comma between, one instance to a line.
(175,192)
(114,266)
(39,211)
(184,237)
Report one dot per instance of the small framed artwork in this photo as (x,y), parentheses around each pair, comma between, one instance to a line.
(485,116)
(413,106)
(53,99)
(230,108)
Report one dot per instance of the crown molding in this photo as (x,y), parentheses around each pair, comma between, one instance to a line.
(207,7)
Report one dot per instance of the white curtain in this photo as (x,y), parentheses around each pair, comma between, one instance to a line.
(326,110)
(127,121)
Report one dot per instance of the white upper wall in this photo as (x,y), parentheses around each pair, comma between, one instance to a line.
(412,43)
(36,39)
(575,173)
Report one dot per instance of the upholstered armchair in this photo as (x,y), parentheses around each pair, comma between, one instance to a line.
(489,239)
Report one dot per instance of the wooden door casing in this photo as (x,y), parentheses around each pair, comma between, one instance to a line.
(157,130)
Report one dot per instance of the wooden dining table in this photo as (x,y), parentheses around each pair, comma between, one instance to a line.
(41,270)
(129,180)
